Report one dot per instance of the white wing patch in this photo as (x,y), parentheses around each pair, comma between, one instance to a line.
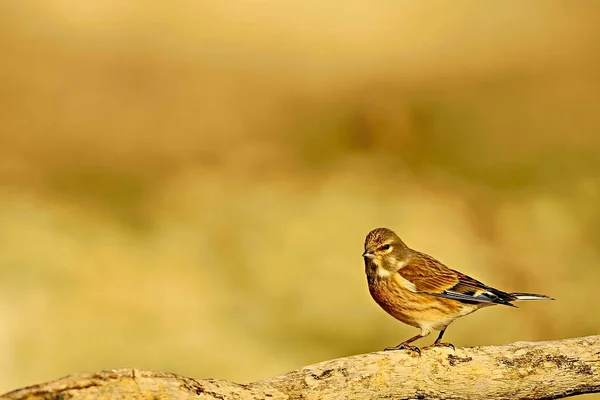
(405,283)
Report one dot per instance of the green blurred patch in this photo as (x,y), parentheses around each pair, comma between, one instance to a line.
(322,137)
(121,195)
(485,133)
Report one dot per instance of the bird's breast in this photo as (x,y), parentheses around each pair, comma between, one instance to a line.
(398,297)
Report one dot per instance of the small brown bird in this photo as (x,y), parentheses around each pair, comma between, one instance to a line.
(422,292)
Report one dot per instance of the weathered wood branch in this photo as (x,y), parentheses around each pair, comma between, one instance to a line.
(523,370)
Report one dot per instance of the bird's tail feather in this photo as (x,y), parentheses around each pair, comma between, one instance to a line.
(531,296)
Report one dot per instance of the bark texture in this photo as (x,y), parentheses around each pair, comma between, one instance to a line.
(523,370)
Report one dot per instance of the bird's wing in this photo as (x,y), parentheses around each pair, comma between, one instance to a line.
(430,276)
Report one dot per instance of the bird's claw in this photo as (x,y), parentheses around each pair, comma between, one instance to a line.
(440,344)
(404,346)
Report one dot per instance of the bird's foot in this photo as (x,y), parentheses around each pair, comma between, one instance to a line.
(440,344)
(404,346)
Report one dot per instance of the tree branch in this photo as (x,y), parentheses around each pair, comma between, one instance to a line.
(523,370)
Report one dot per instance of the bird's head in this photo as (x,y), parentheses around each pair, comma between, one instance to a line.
(385,253)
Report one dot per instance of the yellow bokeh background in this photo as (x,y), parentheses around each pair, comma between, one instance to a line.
(185,186)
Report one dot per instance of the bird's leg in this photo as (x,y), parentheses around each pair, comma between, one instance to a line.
(438,342)
(406,344)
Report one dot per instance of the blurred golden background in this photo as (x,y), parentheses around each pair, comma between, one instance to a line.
(185,186)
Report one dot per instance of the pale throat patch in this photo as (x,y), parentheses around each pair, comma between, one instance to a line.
(383,273)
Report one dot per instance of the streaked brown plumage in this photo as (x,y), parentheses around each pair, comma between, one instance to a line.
(422,292)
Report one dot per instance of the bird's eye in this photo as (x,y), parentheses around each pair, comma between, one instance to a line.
(385,247)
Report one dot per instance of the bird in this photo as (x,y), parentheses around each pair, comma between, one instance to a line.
(420,291)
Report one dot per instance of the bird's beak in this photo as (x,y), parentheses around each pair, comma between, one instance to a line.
(368,254)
